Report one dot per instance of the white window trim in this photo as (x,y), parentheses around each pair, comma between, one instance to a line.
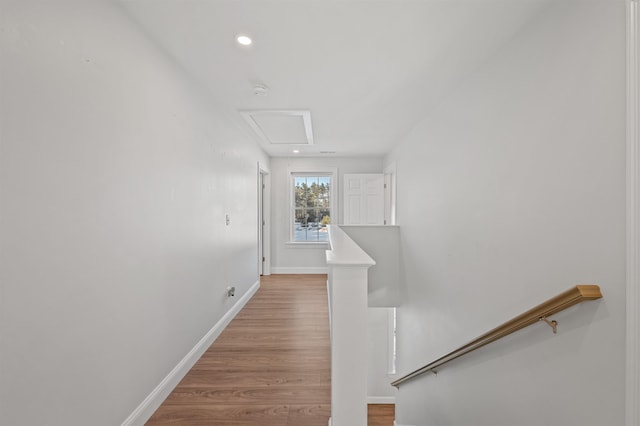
(313,171)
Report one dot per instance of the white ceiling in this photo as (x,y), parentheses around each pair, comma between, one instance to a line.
(367,70)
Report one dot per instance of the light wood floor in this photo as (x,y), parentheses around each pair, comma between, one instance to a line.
(269,367)
(381,414)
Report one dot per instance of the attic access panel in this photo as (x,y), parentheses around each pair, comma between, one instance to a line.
(281,127)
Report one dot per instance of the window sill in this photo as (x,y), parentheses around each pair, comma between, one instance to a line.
(307,244)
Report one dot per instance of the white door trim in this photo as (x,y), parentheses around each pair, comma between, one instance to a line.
(390,194)
(633,216)
(264,216)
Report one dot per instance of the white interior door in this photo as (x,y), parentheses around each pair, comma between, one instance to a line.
(364,199)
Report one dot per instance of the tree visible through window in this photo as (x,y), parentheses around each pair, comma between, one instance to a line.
(312,207)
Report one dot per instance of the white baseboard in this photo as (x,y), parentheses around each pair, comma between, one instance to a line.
(151,403)
(381,400)
(298,270)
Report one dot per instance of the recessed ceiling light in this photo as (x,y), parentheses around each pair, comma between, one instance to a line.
(296,151)
(244,40)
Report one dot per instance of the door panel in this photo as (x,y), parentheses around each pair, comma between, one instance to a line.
(364,199)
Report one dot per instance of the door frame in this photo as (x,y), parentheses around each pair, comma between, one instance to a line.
(390,171)
(633,216)
(264,220)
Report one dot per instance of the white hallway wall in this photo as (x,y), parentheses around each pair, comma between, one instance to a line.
(115,177)
(510,193)
(287,258)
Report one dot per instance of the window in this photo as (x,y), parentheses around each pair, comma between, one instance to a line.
(312,206)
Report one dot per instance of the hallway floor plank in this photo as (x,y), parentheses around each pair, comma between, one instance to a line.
(269,367)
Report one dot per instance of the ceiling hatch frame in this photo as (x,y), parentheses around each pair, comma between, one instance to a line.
(253,117)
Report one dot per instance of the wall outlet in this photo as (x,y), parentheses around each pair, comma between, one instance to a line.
(227,219)
(231,291)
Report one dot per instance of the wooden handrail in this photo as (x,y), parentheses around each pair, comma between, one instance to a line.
(573,296)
